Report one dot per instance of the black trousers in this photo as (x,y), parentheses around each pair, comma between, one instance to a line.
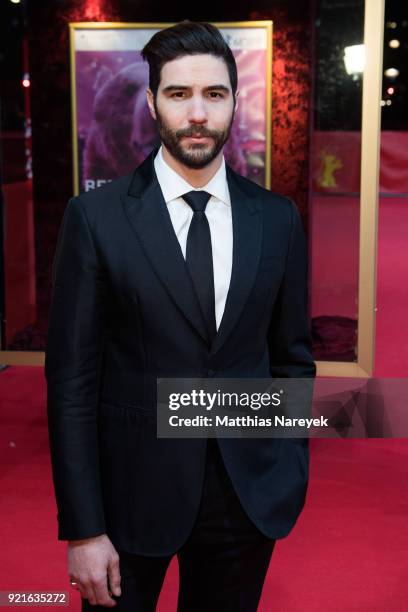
(222,565)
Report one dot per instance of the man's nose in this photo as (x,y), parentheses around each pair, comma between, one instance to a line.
(197,111)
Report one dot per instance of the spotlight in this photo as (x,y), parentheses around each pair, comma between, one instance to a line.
(391,73)
(354,59)
(394,43)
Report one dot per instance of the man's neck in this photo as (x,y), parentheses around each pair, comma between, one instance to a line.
(197,177)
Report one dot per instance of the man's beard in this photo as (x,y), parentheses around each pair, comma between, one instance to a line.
(198,155)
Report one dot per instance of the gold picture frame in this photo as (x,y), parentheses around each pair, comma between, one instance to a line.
(369,187)
(267,25)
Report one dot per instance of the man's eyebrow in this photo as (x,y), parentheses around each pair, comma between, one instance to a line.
(171,88)
(222,87)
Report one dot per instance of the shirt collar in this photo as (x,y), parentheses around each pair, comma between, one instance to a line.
(174,186)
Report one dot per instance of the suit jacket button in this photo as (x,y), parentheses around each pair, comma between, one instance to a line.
(210,373)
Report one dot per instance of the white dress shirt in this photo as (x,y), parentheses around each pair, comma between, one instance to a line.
(218,213)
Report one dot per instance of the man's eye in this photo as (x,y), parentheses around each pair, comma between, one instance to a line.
(216,94)
(177,94)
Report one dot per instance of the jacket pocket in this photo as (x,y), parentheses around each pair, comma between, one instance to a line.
(124,414)
(123,404)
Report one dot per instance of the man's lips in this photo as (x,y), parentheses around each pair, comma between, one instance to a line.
(197,137)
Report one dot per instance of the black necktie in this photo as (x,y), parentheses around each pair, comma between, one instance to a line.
(199,257)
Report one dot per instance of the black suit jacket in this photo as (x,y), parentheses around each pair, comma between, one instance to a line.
(123,314)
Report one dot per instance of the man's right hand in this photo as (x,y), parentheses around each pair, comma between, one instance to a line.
(93,564)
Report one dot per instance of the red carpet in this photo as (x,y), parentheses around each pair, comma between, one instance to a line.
(348,552)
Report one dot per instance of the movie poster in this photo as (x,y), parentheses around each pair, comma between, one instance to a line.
(113,131)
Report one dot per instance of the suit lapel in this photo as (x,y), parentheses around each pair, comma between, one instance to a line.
(148,215)
(247,243)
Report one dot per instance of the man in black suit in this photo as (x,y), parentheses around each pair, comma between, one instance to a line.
(182,269)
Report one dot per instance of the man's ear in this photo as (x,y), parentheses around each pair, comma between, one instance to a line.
(150,102)
(236,101)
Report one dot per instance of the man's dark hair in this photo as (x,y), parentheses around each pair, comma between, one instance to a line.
(187,38)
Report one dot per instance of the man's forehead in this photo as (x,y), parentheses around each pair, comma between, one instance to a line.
(203,67)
